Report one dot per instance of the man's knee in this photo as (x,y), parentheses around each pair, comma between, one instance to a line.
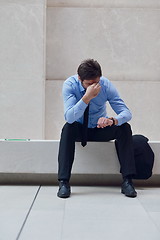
(69,128)
(126,127)
(124,130)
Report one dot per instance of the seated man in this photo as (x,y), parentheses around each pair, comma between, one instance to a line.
(85,96)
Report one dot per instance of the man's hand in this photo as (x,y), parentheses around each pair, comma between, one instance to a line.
(104,122)
(91,92)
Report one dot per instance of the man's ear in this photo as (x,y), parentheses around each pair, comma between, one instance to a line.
(79,78)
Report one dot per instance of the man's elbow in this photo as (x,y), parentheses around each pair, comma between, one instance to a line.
(69,119)
(129,116)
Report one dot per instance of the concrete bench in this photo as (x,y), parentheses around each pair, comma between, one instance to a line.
(35,162)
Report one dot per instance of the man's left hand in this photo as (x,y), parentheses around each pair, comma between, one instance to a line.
(104,122)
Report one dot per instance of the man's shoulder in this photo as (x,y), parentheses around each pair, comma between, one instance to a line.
(71,83)
(104,81)
(72,80)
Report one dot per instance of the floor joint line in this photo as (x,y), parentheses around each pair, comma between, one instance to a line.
(21,229)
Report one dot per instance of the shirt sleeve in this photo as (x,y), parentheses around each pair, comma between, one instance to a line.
(123,113)
(73,109)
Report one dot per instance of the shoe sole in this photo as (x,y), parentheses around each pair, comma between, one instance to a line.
(63,196)
(127,195)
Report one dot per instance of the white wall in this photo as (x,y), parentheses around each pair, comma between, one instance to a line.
(124,37)
(22,75)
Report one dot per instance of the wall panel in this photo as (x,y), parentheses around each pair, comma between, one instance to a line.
(22,75)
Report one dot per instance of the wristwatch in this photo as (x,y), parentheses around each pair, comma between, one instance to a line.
(112,120)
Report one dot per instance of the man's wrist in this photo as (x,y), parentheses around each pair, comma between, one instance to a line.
(86,99)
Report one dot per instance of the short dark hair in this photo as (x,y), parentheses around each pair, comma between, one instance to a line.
(89,69)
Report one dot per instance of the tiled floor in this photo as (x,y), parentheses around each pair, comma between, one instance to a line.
(92,213)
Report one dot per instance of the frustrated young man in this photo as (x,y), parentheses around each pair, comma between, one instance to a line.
(85,96)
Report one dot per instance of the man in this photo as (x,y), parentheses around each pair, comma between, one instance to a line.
(90,88)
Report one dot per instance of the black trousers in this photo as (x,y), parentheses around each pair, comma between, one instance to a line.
(72,133)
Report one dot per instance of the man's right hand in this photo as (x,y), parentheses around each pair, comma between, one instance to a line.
(91,92)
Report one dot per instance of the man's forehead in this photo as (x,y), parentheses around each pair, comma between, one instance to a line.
(92,80)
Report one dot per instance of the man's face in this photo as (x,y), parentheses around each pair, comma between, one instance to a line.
(87,83)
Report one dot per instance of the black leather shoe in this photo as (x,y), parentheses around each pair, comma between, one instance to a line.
(128,188)
(64,189)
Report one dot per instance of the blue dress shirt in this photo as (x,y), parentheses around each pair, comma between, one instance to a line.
(74,106)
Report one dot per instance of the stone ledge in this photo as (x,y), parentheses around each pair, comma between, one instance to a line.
(76,179)
(31,162)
